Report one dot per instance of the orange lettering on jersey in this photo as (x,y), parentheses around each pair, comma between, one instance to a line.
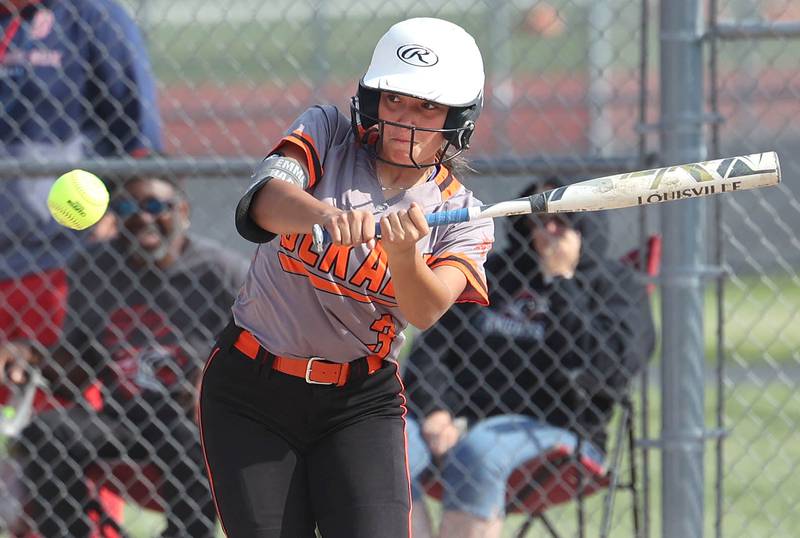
(336,256)
(384,326)
(373,270)
(388,289)
(306,254)
(289,241)
(296,267)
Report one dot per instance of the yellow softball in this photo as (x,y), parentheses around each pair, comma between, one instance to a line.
(78,199)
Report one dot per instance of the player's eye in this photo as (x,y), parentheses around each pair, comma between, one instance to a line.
(427,105)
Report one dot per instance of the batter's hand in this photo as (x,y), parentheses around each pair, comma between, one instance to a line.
(351,228)
(559,251)
(15,358)
(400,231)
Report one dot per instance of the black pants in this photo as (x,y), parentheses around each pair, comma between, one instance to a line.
(59,445)
(285,455)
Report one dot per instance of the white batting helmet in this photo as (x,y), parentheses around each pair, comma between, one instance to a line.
(430,59)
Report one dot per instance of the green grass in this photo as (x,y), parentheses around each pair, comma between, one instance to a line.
(760,315)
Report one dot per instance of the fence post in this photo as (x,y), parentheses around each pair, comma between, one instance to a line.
(598,95)
(683,224)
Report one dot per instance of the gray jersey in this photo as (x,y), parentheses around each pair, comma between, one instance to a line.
(340,304)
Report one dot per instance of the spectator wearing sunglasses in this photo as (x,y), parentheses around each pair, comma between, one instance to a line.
(75,83)
(490,388)
(153,219)
(143,311)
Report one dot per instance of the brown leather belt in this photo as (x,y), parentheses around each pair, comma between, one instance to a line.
(314,370)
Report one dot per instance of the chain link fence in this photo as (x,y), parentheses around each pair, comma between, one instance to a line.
(572,92)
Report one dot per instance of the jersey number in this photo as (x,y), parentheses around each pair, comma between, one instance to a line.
(384,326)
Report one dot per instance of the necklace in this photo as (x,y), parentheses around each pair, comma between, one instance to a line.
(434,170)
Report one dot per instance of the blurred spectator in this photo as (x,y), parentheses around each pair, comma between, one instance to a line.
(547,361)
(143,311)
(75,82)
(544,20)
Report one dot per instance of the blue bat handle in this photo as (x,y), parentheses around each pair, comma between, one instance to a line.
(434,219)
(448,217)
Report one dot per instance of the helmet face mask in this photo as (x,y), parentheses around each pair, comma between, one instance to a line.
(370,128)
(429,59)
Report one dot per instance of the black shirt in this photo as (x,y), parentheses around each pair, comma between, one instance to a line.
(562,350)
(145,333)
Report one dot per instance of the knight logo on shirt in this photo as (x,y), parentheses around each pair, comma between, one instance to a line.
(156,368)
(527,304)
(42,24)
(522,317)
(145,350)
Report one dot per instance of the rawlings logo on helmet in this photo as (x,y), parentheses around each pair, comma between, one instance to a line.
(417,55)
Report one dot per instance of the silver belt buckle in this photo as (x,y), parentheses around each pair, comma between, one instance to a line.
(308,372)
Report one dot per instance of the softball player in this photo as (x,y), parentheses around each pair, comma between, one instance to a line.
(301,406)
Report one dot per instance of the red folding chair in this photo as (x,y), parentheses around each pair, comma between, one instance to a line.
(44,320)
(110,485)
(107,510)
(559,475)
(131,481)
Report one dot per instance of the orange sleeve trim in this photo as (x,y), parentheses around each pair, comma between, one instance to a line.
(306,143)
(296,267)
(476,290)
(444,256)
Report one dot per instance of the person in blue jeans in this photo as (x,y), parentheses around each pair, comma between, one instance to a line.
(544,364)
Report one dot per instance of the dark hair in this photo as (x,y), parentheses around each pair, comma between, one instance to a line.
(117,182)
(458,166)
(122,181)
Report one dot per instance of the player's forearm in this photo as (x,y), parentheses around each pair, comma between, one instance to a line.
(282,208)
(422,296)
